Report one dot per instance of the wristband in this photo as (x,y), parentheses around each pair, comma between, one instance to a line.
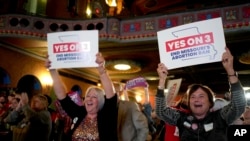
(160,88)
(235,74)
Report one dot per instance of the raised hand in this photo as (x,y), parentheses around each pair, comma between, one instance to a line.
(227,61)
(47,63)
(162,71)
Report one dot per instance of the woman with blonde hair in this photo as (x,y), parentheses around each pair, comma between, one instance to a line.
(93,121)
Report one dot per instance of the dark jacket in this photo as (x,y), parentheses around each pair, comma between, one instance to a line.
(106,117)
(213,127)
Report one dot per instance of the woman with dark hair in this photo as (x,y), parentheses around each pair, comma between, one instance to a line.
(200,123)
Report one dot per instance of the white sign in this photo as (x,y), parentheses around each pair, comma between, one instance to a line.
(192,44)
(73,49)
(173,87)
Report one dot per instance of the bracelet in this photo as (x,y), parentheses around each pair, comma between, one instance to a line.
(160,88)
(235,74)
(102,71)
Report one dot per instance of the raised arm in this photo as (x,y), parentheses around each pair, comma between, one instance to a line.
(238,101)
(163,111)
(162,72)
(104,76)
(146,95)
(58,85)
(227,62)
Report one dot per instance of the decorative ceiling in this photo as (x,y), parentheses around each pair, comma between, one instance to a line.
(141,50)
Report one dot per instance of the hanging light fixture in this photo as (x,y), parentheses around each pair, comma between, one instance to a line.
(115,6)
(111,3)
(88,10)
(123,66)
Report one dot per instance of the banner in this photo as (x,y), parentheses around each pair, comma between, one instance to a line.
(192,44)
(73,49)
(136,82)
(173,87)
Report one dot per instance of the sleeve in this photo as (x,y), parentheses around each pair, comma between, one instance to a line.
(111,102)
(42,117)
(107,119)
(12,117)
(147,111)
(140,122)
(164,112)
(71,108)
(236,107)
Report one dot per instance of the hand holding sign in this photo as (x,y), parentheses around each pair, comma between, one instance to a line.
(73,49)
(192,44)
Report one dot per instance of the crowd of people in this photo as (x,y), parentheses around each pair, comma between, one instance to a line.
(104,116)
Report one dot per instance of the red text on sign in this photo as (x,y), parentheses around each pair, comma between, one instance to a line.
(67,47)
(190,41)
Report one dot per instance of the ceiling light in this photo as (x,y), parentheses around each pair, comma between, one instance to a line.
(111,3)
(122,66)
(88,10)
(245,58)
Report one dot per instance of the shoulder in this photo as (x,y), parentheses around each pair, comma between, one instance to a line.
(127,104)
(130,103)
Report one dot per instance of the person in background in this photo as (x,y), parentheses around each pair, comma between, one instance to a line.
(3,109)
(96,119)
(147,111)
(13,106)
(246,116)
(10,97)
(54,116)
(132,124)
(36,122)
(7,121)
(160,128)
(3,106)
(244,119)
(218,104)
(172,131)
(200,123)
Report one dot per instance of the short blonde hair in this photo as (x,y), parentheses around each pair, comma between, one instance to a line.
(43,99)
(100,95)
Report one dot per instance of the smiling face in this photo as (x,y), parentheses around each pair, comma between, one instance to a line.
(200,100)
(199,103)
(91,102)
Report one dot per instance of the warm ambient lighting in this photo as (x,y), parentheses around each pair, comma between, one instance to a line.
(115,6)
(47,82)
(247,92)
(138,98)
(111,3)
(245,58)
(88,10)
(122,67)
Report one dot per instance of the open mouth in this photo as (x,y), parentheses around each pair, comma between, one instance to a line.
(89,103)
(197,105)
